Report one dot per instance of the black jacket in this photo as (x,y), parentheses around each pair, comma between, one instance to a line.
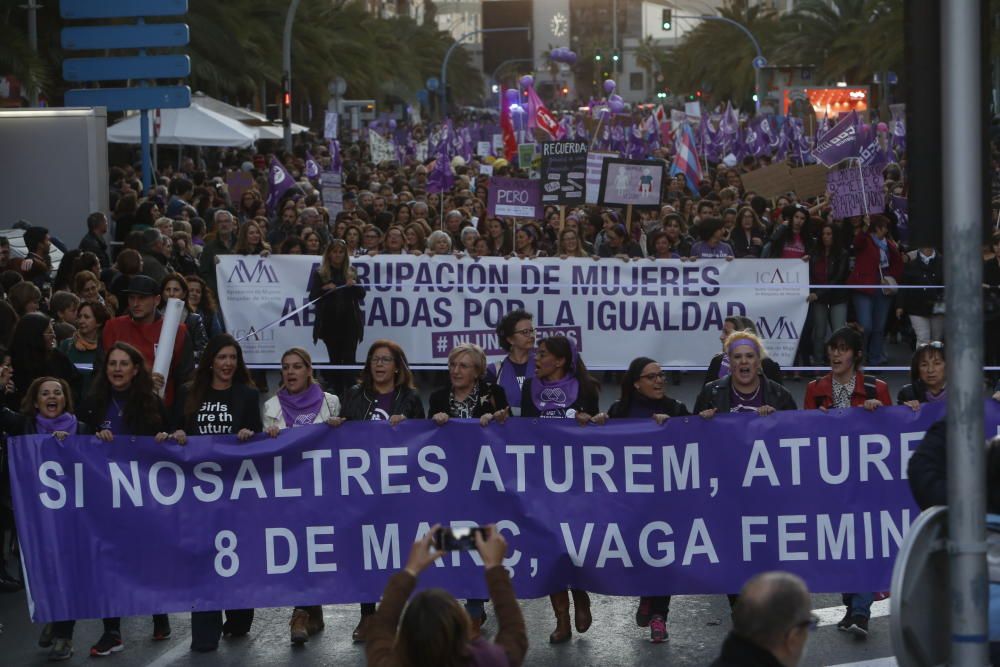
(491,399)
(743,246)
(838,268)
(338,311)
(92,414)
(772,371)
(15,423)
(91,242)
(921,302)
(665,406)
(358,403)
(916,391)
(740,652)
(928,468)
(717,395)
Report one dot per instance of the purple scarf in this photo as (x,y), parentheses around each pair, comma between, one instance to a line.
(507,378)
(557,395)
(64,422)
(303,408)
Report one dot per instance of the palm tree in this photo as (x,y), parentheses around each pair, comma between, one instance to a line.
(649,57)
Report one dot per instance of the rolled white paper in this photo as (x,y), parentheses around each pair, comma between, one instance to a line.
(173,313)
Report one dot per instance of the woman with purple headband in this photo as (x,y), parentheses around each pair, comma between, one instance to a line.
(562,388)
(745,389)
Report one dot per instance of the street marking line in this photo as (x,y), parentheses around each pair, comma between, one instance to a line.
(880,662)
(173,655)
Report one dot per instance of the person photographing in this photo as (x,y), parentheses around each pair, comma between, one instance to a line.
(434,629)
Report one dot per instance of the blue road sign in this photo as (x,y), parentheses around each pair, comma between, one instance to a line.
(140,36)
(433,84)
(120,68)
(110,9)
(124,99)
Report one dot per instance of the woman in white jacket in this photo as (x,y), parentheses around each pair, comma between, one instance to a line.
(300,401)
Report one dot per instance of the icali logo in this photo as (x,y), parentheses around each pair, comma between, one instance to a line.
(260,272)
(776,277)
(779,329)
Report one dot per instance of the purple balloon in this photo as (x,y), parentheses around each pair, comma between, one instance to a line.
(609,86)
(392,124)
(570,57)
(527,80)
(616,103)
(511,96)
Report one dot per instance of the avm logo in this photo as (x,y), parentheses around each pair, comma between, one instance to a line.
(780,329)
(259,272)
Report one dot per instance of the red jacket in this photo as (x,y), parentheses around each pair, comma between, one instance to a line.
(866,262)
(144,337)
(819,393)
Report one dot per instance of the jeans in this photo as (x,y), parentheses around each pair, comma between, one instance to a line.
(872,311)
(927,328)
(825,319)
(859,604)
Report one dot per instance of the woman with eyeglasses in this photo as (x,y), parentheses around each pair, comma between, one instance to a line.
(385,392)
(339,322)
(927,377)
(643,397)
(516,334)
(371,240)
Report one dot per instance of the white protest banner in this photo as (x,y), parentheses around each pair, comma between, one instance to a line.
(483,149)
(333,194)
(330,125)
(382,149)
(498,144)
(667,310)
(420,151)
(693,111)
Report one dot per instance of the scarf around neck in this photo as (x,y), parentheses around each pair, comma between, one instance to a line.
(303,408)
(64,422)
(556,395)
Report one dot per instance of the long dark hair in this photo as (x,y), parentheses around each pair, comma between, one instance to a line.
(434,630)
(202,381)
(28,350)
(561,348)
(630,378)
(143,408)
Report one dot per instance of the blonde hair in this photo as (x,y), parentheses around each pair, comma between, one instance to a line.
(306,359)
(746,335)
(474,351)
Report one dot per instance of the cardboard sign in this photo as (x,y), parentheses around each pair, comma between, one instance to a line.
(517,197)
(525,155)
(809,181)
(636,183)
(330,125)
(483,148)
(856,191)
(595,167)
(498,144)
(771,181)
(564,172)
(382,149)
(333,193)
(238,182)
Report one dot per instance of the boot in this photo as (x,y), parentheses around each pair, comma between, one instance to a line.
(299,623)
(560,605)
(581,610)
(360,633)
(316,622)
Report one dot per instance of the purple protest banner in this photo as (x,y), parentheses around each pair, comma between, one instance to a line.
(840,142)
(856,191)
(324,515)
(517,197)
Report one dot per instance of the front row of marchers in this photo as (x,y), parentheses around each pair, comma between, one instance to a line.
(547,380)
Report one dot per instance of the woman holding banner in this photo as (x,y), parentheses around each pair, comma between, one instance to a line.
(122,402)
(846,386)
(220,400)
(385,392)
(299,401)
(927,377)
(563,389)
(745,388)
(516,335)
(643,397)
(47,409)
(339,322)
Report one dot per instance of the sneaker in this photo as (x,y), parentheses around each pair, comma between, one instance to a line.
(858,626)
(845,622)
(161,627)
(110,642)
(299,626)
(643,613)
(45,639)
(62,649)
(658,629)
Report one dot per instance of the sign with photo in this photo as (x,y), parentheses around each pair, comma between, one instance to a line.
(635,183)
(564,172)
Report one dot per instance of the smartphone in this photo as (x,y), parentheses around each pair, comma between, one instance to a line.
(457,539)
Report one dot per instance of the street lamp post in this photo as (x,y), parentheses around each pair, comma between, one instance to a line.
(509,61)
(447,57)
(286,73)
(758,63)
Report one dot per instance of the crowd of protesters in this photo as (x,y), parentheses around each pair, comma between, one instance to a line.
(101,310)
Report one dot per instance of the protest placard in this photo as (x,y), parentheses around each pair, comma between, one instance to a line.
(809,181)
(564,172)
(769,181)
(634,183)
(483,148)
(518,197)
(238,182)
(856,191)
(333,194)
(595,167)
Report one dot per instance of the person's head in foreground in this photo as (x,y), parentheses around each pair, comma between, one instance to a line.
(772,616)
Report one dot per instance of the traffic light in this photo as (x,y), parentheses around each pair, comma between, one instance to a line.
(597,56)
(616,56)
(668,16)
(286,100)
(565,90)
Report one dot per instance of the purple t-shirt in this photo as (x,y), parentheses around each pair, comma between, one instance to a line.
(746,402)
(382,408)
(720,251)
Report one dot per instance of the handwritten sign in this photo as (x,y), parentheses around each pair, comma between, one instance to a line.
(856,191)
(564,172)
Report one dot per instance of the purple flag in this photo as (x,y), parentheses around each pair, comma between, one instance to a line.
(441,179)
(335,161)
(900,207)
(312,167)
(840,142)
(279,181)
